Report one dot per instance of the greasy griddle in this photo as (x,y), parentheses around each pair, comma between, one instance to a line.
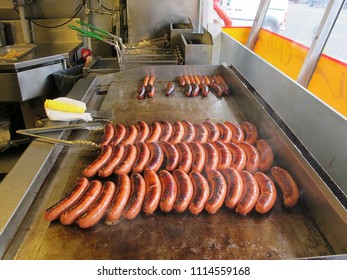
(280,234)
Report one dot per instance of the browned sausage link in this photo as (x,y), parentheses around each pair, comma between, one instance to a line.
(156,156)
(198,156)
(108,134)
(250,131)
(171,155)
(143,131)
(212,157)
(238,156)
(83,204)
(250,193)
(178,132)
(141,92)
(110,165)
(186,79)
(252,156)
(237,131)
(130,136)
(188,90)
(123,189)
(190,131)
(150,91)
(191,78)
(218,190)
(201,193)
(137,196)
(153,192)
(145,81)
(181,81)
(185,155)
(225,85)
(94,214)
(201,133)
(169,191)
(126,163)
(120,131)
(266,155)
(287,185)
(201,80)
(224,155)
(213,131)
(268,193)
(206,80)
(76,192)
(234,186)
(142,157)
(219,82)
(195,90)
(151,80)
(204,90)
(216,89)
(167,131)
(196,79)
(169,89)
(225,132)
(184,190)
(155,132)
(93,168)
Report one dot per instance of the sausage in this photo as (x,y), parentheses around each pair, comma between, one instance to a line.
(195,89)
(156,156)
(143,131)
(181,81)
(127,161)
(205,90)
(191,78)
(237,132)
(153,192)
(201,193)
(169,89)
(188,90)
(224,155)
(198,156)
(167,131)
(150,91)
(76,192)
(225,84)
(108,134)
(213,131)
(218,190)
(178,132)
(196,79)
(225,132)
(94,214)
(250,131)
(184,190)
(83,204)
(287,185)
(121,197)
(234,183)
(238,156)
(190,131)
(155,132)
(171,154)
(201,133)
(216,89)
(186,79)
(151,80)
(145,81)
(218,82)
(185,155)
(252,156)
(130,136)
(142,157)
(250,193)
(120,131)
(108,168)
(137,196)
(93,168)
(141,92)
(212,157)
(169,191)
(206,80)
(266,155)
(268,193)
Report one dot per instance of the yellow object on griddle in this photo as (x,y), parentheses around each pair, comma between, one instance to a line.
(64,107)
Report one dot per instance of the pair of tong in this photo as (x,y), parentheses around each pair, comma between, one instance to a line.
(36,133)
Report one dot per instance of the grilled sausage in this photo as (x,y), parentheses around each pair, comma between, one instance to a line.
(130,136)
(155,132)
(171,154)
(108,134)
(205,90)
(190,132)
(213,131)
(201,133)
(201,193)
(141,92)
(234,186)
(169,191)
(266,155)
(218,190)
(195,89)
(76,192)
(121,197)
(178,132)
(94,214)
(238,156)
(268,193)
(167,131)
(198,156)
(127,162)
(93,168)
(137,196)
(151,80)
(108,168)
(142,157)
(181,81)
(120,131)
(212,157)
(287,185)
(185,155)
(250,193)
(224,155)
(186,79)
(156,156)
(83,204)
(188,90)
(153,192)
(184,190)
(250,131)
(196,79)
(237,132)
(169,89)
(150,91)
(143,131)
(216,89)
(191,78)
(252,156)
(225,85)
(206,80)
(145,81)
(225,132)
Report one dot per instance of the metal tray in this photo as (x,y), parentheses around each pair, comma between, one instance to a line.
(20,50)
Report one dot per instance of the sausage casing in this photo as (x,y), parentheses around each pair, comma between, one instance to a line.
(108,134)
(250,131)
(155,132)
(225,132)
(185,156)
(156,156)
(190,132)
(142,157)
(126,163)
(238,156)
(108,168)
(120,131)
(184,190)
(250,193)
(252,156)
(171,154)
(234,186)
(237,132)
(169,191)
(137,196)
(268,193)
(212,157)
(178,132)
(143,131)
(93,168)
(224,155)
(153,192)
(201,133)
(218,190)
(167,131)
(201,193)
(266,155)
(213,131)
(198,156)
